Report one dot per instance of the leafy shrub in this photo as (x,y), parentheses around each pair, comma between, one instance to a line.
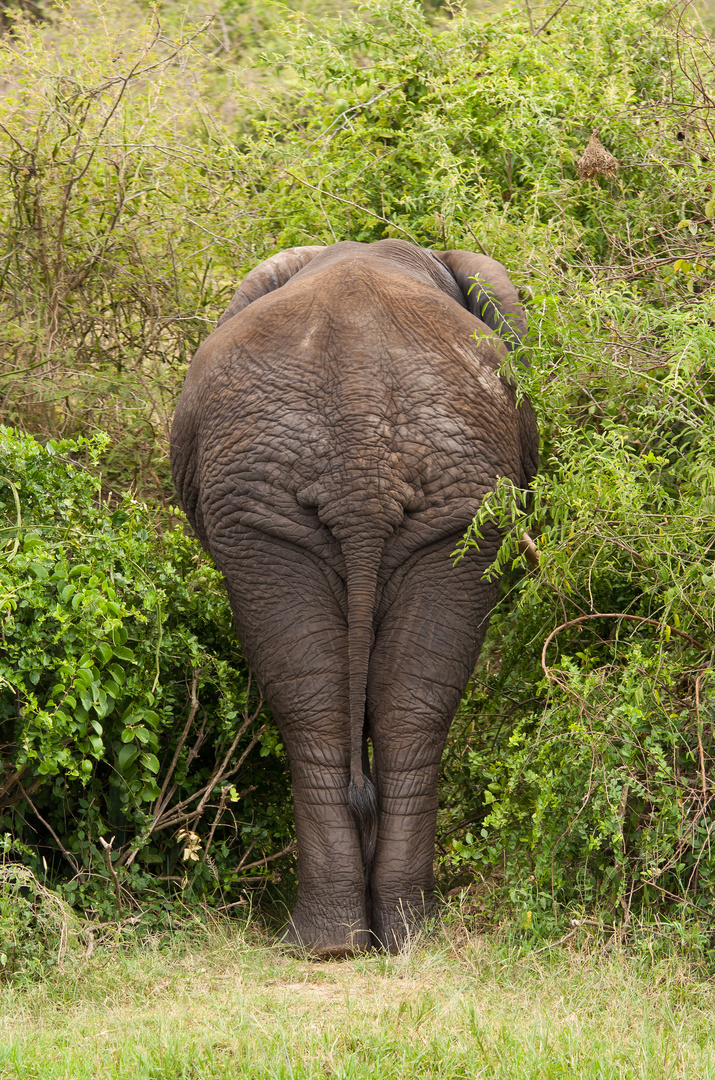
(586,769)
(113,210)
(133,742)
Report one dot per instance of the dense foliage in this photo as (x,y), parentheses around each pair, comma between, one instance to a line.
(594,752)
(132,741)
(146,170)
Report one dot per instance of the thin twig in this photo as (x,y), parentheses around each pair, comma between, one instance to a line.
(161,802)
(175,817)
(256,879)
(248,851)
(554,944)
(70,858)
(214,824)
(568,828)
(480,245)
(703,779)
(349,202)
(108,856)
(269,858)
(13,777)
(221,807)
(551,16)
(158,806)
(609,615)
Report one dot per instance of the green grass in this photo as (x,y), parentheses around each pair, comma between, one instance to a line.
(229,1005)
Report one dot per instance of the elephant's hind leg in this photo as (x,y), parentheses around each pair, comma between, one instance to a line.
(295,638)
(425,649)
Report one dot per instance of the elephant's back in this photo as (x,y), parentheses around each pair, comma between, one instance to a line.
(357,387)
(343,306)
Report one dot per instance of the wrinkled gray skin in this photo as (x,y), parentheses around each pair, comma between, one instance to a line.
(332,442)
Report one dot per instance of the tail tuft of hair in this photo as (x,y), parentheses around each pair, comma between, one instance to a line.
(363,804)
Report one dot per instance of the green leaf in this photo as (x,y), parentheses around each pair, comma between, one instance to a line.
(83,677)
(126,756)
(117,673)
(96,744)
(79,569)
(105,651)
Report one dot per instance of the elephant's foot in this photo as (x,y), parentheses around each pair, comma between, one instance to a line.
(396,923)
(326,939)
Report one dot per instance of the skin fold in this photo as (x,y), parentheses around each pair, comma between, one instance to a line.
(333,440)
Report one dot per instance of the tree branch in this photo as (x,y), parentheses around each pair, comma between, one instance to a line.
(610,615)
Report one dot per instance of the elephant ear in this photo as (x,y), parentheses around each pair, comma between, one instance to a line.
(269,276)
(488,293)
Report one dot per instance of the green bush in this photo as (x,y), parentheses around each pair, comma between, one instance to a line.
(118,231)
(133,742)
(586,745)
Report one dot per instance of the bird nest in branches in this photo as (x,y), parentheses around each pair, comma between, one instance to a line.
(596,161)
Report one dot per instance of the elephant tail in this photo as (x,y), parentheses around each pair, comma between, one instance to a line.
(362,563)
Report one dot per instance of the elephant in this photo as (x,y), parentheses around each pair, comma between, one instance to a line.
(334,437)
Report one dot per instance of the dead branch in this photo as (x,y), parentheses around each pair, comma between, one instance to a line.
(70,858)
(551,16)
(221,807)
(293,846)
(159,804)
(703,778)
(175,817)
(113,873)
